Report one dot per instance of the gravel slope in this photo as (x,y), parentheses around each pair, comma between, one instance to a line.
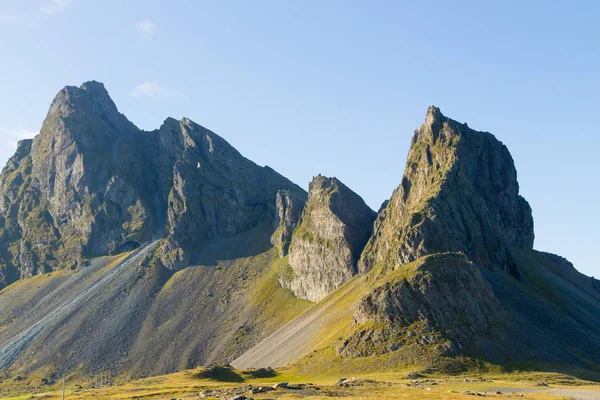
(572,393)
(301,335)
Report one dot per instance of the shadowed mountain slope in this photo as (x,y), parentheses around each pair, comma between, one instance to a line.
(129,316)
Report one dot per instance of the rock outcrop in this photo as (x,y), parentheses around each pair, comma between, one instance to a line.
(441,300)
(92,183)
(327,243)
(289,211)
(459,193)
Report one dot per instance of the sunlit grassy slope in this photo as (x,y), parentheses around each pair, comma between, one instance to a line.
(188,384)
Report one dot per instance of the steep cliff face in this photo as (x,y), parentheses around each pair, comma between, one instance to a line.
(14,176)
(289,211)
(459,193)
(92,183)
(326,245)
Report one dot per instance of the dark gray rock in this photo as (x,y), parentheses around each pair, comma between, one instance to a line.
(215,193)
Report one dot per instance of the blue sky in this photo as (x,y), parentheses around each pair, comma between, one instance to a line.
(336,87)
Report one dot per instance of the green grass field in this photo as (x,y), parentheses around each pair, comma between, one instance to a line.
(391,385)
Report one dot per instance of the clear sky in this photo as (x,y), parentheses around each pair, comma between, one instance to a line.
(336,87)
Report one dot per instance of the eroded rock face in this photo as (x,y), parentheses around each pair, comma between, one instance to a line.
(326,245)
(459,193)
(441,300)
(92,183)
(289,210)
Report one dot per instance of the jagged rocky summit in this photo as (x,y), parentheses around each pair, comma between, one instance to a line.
(459,193)
(92,183)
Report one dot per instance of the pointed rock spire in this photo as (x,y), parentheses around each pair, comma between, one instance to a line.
(459,193)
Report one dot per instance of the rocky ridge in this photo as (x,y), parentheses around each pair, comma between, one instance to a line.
(446,246)
(92,183)
(458,204)
(449,275)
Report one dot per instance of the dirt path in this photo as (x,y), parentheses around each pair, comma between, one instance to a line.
(299,336)
(578,394)
(572,393)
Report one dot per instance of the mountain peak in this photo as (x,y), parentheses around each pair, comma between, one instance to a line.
(88,107)
(94,86)
(90,91)
(169,122)
(322,184)
(90,96)
(459,193)
(433,114)
(99,185)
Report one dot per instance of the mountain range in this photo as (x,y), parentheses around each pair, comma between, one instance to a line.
(145,253)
